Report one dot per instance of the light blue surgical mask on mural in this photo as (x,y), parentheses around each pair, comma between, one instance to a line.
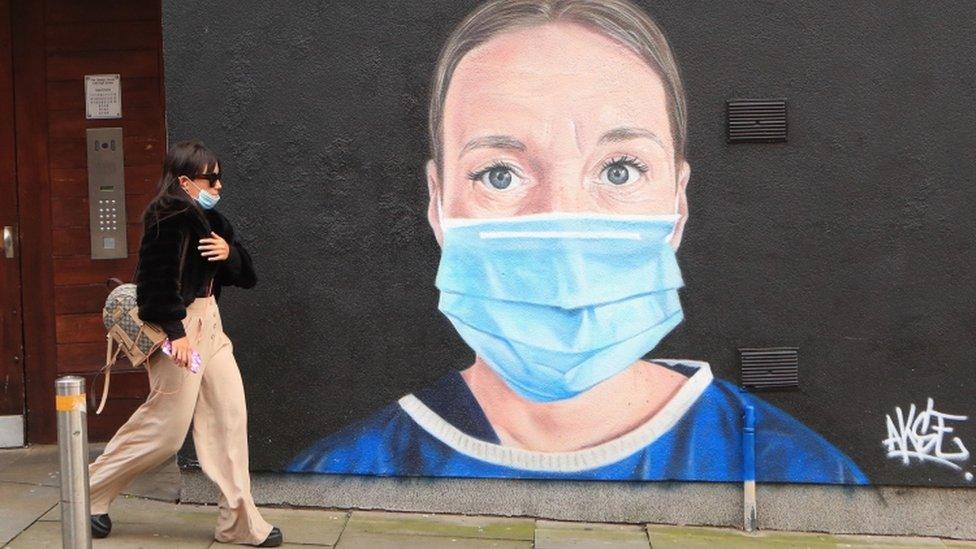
(557,303)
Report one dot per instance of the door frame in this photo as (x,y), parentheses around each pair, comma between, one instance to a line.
(34,197)
(13,408)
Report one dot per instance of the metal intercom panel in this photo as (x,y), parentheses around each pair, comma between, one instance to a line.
(106,194)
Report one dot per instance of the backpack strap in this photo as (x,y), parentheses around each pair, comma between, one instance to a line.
(110,359)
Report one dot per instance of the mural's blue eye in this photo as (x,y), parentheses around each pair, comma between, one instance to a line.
(618,174)
(497,177)
(621,171)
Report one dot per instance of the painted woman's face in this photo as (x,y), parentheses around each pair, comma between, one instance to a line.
(557,118)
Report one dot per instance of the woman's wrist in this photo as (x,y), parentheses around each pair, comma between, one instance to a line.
(173,328)
(233,260)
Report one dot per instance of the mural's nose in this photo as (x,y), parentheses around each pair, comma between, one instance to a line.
(565,191)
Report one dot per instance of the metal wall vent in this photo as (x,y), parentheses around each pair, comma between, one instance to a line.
(756,120)
(770,368)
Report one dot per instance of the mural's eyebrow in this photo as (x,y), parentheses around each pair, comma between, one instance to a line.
(494,142)
(617,135)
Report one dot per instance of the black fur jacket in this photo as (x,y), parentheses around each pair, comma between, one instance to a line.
(161,292)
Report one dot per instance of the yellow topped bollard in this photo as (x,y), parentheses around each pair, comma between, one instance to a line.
(73,447)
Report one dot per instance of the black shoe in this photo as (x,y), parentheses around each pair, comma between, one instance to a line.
(101,526)
(274,539)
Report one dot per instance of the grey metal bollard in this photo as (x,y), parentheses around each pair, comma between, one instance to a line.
(73,446)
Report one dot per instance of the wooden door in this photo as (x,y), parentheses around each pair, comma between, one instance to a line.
(55,44)
(11,329)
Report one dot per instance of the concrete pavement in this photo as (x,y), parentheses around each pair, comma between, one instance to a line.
(150,517)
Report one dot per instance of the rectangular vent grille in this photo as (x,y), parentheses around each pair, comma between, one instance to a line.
(770,368)
(756,120)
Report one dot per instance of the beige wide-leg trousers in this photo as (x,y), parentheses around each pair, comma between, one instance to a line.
(214,400)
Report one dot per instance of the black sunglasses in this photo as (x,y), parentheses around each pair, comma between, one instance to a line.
(212,178)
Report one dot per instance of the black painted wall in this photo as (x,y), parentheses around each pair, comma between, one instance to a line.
(854,241)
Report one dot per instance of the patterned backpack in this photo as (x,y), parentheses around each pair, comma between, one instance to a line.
(126,331)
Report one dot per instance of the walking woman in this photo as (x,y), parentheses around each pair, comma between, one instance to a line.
(188,252)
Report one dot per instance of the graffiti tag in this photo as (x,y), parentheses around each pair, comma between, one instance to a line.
(922,435)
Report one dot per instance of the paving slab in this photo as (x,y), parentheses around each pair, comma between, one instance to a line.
(48,534)
(301,526)
(455,526)
(283,545)
(155,536)
(557,534)
(364,540)
(21,505)
(140,522)
(887,542)
(32,465)
(40,465)
(130,509)
(8,456)
(667,537)
(53,515)
(685,537)
(40,534)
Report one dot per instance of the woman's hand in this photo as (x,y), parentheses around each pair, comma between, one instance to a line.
(214,248)
(182,352)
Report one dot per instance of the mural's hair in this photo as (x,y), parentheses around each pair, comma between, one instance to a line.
(619,20)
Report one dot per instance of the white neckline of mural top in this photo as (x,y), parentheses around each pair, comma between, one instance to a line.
(452,222)
(577,235)
(566,462)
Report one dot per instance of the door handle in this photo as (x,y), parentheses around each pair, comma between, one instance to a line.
(8,243)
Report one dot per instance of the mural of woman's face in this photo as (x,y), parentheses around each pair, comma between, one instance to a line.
(556,118)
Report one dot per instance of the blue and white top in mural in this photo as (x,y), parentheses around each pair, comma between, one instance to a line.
(442,431)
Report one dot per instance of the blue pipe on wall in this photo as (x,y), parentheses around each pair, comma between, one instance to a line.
(749,468)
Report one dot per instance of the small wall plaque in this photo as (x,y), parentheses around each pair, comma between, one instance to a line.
(103,96)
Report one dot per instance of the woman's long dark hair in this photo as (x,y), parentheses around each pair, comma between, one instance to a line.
(189,158)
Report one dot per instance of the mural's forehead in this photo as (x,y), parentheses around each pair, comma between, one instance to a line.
(537,81)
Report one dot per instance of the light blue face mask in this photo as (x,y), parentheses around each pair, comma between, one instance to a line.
(206,200)
(557,303)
